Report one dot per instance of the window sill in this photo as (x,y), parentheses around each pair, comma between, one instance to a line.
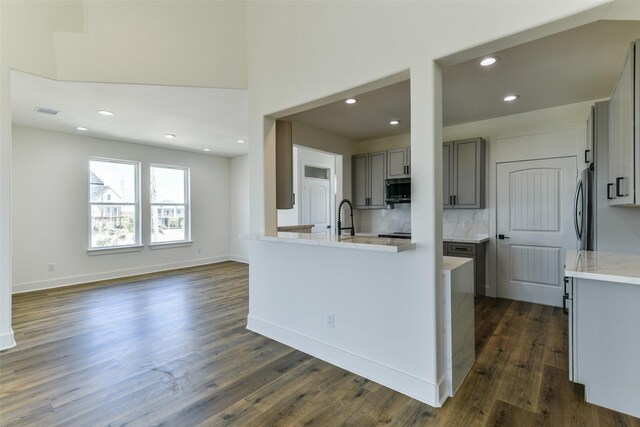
(169,245)
(115,250)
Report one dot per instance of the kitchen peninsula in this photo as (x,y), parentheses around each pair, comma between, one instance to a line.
(355,302)
(602,296)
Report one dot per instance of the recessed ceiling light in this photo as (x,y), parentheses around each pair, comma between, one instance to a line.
(510,98)
(207,149)
(241,141)
(170,136)
(351,101)
(105,113)
(81,128)
(489,60)
(394,122)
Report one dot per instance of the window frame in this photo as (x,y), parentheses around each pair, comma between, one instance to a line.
(186,203)
(136,204)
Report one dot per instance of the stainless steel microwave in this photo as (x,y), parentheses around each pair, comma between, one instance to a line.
(397,190)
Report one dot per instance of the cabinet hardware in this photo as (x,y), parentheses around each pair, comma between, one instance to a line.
(618,187)
(609,185)
(458,248)
(565,310)
(293,199)
(455,199)
(587,156)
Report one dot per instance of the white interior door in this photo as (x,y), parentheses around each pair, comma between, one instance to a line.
(316,204)
(534,217)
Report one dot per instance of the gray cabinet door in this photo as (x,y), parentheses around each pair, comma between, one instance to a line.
(398,163)
(621,137)
(468,173)
(463,174)
(378,173)
(284,165)
(447,175)
(360,180)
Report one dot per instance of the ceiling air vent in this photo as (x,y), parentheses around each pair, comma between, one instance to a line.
(48,111)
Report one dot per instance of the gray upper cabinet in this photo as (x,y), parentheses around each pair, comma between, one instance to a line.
(284,165)
(359,167)
(464,174)
(369,173)
(624,148)
(399,163)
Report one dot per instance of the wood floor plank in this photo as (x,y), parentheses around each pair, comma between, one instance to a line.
(173,349)
(507,415)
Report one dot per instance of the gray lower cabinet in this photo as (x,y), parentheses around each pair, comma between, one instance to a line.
(463,174)
(399,163)
(477,251)
(368,174)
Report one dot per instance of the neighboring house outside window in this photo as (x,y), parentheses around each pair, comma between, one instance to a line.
(113,203)
(169,193)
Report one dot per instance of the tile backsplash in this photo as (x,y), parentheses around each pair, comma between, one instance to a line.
(465,222)
(455,222)
(384,220)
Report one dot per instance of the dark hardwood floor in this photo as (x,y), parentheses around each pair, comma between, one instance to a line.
(172,349)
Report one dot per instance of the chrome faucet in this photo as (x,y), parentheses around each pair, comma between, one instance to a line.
(340,227)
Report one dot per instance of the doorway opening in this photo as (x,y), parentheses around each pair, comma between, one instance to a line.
(316,176)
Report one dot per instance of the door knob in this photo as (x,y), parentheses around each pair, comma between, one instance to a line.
(502,237)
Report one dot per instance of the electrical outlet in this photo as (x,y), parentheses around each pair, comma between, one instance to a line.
(331,320)
(51,266)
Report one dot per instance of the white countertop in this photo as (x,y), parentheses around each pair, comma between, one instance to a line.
(478,238)
(347,242)
(453,262)
(607,266)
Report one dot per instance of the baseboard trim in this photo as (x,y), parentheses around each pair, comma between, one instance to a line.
(240,258)
(7,341)
(442,390)
(61,282)
(399,381)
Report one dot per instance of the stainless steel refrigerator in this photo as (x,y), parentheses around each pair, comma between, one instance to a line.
(583,210)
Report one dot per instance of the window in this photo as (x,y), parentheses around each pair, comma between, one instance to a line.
(169,188)
(113,203)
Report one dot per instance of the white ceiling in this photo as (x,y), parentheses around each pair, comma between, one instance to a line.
(199,117)
(577,65)
(366,119)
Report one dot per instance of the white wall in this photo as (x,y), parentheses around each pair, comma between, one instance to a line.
(239,208)
(383,144)
(329,48)
(50,209)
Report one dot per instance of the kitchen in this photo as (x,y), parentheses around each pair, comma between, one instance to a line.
(510,139)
